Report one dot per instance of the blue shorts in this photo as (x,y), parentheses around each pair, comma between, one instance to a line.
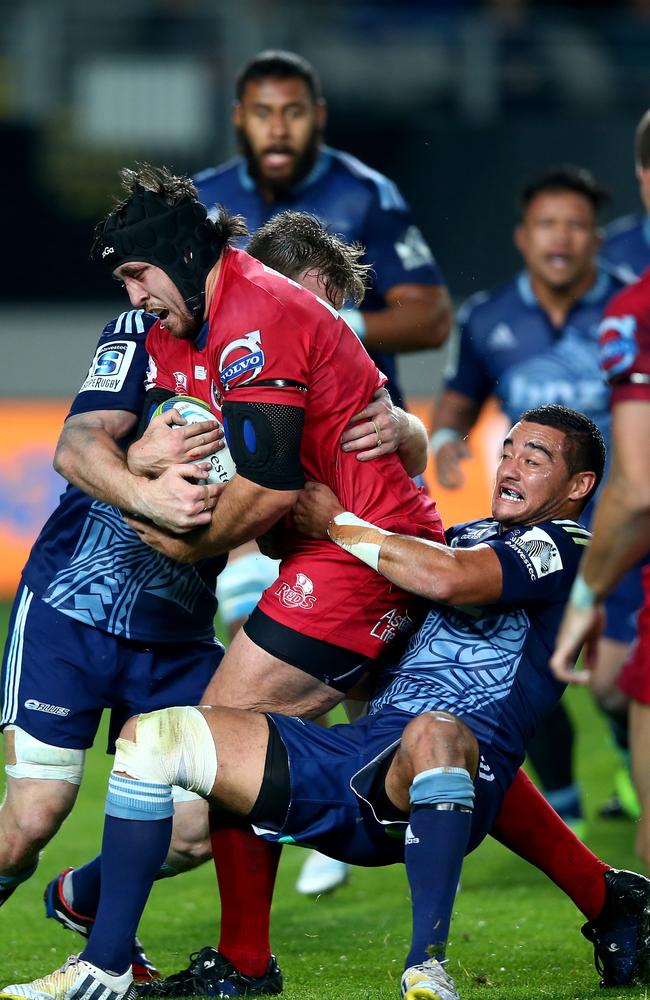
(59,674)
(333,775)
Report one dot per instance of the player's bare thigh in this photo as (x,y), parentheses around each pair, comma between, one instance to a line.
(249,677)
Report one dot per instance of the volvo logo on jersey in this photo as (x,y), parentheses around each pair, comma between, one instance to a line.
(241,360)
(298,596)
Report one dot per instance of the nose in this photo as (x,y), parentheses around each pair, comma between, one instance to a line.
(136,292)
(278,124)
(510,467)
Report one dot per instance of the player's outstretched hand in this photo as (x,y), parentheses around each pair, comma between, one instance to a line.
(176,502)
(449,458)
(580,629)
(314,509)
(376,430)
(170,440)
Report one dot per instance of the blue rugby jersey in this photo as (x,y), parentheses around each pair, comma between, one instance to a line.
(87,562)
(351,200)
(509,348)
(626,249)
(489,665)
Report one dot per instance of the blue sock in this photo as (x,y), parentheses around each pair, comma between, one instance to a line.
(81,887)
(10,882)
(132,853)
(436,840)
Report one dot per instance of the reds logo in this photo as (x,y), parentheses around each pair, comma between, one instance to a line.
(391,625)
(241,360)
(216,396)
(298,596)
(181,381)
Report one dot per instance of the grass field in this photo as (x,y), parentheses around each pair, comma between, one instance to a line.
(514,935)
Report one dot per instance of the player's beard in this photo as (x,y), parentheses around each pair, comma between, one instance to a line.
(303,162)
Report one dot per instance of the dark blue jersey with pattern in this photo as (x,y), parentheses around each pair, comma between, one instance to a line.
(626,249)
(489,665)
(87,562)
(351,200)
(509,348)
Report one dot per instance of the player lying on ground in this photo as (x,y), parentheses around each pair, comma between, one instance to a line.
(447,731)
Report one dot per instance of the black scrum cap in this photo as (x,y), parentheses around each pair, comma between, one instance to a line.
(179,239)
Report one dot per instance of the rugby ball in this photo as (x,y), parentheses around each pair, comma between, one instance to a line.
(195,411)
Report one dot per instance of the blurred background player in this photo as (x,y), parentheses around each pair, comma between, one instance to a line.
(280,116)
(532,341)
(621,530)
(627,240)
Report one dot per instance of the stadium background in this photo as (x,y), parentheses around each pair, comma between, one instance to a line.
(458,101)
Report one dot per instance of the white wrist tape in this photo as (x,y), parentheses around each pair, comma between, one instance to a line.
(442,437)
(367,552)
(582,596)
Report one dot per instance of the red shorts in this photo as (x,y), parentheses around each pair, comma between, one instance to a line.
(324,592)
(634,679)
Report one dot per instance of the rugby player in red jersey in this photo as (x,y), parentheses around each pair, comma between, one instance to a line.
(288,374)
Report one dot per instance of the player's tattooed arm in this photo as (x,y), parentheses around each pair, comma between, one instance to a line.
(89,457)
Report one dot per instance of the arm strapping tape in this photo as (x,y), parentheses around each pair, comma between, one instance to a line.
(442,437)
(582,596)
(358,541)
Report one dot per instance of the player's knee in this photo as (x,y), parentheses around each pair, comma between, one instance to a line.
(439,739)
(173,746)
(30,758)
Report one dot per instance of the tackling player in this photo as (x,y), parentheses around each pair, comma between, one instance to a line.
(100,621)
(448,727)
(533,341)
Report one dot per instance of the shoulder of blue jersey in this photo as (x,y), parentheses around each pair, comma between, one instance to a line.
(386,190)
(134,323)
(482,302)
(578,534)
(622,227)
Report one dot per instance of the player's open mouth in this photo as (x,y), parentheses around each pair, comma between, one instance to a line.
(160,313)
(507,493)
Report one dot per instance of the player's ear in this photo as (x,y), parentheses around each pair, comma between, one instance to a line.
(236,114)
(583,483)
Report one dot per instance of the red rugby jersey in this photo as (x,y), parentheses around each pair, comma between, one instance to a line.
(265,328)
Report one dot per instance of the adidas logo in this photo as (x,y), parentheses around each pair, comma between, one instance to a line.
(409,838)
(502,337)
